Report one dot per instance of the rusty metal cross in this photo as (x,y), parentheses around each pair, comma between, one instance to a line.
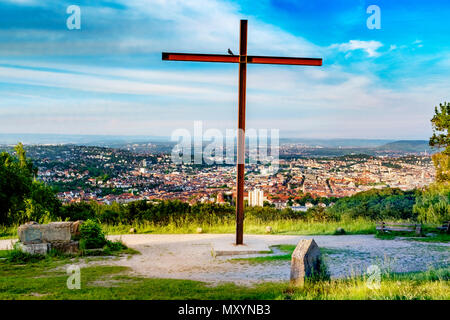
(242,59)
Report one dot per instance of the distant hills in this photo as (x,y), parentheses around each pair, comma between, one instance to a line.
(321,147)
(89,140)
(338,143)
(413,146)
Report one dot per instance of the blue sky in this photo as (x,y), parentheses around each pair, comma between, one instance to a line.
(108,77)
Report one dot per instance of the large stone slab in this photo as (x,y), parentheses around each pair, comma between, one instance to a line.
(57,232)
(305,261)
(33,233)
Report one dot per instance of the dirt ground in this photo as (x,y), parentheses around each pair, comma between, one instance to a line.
(190,256)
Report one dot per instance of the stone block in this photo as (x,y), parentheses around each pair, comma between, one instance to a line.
(56,232)
(40,233)
(34,248)
(305,261)
(30,233)
(71,247)
(75,228)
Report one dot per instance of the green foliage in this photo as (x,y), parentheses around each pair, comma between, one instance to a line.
(433,205)
(22,198)
(441,139)
(441,162)
(320,272)
(19,257)
(441,124)
(319,214)
(376,204)
(91,235)
(169,212)
(77,211)
(115,246)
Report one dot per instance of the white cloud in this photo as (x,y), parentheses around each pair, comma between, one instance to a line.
(370,47)
(314,102)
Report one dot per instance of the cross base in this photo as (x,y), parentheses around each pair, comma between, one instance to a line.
(226,247)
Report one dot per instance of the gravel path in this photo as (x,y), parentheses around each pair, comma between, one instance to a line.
(190,256)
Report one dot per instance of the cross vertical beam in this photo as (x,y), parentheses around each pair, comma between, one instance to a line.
(241,134)
(243,59)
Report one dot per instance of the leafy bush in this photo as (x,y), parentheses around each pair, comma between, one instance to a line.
(115,246)
(319,214)
(433,205)
(91,235)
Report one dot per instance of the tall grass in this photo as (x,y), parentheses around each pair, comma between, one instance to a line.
(431,284)
(251,226)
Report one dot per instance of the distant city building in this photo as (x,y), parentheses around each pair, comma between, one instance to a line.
(143,170)
(267,171)
(256,198)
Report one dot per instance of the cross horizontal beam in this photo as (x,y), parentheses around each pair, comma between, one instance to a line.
(197,57)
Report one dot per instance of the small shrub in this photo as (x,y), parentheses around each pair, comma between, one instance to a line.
(91,235)
(20,257)
(321,272)
(115,246)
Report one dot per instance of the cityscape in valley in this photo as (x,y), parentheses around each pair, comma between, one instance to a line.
(145,171)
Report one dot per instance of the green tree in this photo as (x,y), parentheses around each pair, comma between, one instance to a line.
(433,205)
(78,211)
(15,185)
(22,198)
(441,139)
(42,204)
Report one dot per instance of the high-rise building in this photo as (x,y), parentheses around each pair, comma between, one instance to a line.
(256,198)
